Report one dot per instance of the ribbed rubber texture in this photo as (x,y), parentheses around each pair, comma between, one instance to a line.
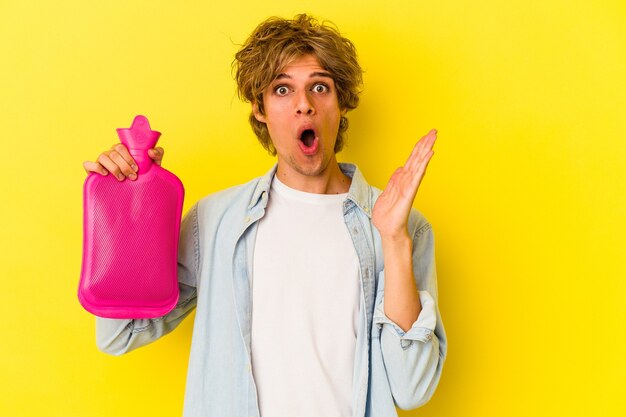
(131,232)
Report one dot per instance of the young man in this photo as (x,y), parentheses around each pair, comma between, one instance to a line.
(315,294)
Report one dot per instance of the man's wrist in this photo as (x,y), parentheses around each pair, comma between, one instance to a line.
(396,240)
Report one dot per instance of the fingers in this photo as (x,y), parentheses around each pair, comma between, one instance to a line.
(94,167)
(120,162)
(119,153)
(395,178)
(420,151)
(117,161)
(156,154)
(426,160)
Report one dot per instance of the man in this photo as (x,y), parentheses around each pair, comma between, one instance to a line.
(305,281)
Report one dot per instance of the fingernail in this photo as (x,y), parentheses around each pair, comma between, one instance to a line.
(120,177)
(133,176)
(134,167)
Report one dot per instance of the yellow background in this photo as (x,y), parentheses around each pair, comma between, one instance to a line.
(525,191)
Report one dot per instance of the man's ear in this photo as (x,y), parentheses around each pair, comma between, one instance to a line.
(257,113)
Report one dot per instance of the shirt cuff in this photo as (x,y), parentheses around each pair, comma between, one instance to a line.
(423,328)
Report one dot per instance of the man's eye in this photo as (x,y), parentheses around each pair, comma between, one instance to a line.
(320,88)
(281,90)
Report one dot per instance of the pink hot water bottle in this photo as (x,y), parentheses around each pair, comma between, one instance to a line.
(130,235)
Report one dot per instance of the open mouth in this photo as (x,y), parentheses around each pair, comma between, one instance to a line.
(308,140)
(307,137)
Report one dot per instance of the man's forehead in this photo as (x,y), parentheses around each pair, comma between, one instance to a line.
(284,75)
(308,65)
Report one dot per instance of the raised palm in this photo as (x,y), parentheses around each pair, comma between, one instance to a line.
(391,211)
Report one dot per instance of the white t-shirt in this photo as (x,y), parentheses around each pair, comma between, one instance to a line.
(305,306)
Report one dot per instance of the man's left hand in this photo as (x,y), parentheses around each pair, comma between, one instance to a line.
(391,211)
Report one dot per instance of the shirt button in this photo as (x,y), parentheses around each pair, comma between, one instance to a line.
(248,219)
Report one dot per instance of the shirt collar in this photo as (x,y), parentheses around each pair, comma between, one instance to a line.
(359,192)
(262,188)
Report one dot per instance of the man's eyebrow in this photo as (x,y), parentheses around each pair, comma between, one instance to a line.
(282,75)
(321,74)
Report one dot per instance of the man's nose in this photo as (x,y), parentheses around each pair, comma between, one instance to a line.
(304,105)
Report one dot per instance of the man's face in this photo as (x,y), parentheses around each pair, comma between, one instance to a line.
(302,115)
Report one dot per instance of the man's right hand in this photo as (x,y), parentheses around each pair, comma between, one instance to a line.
(119,162)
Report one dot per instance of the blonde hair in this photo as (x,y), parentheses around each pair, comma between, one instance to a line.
(275,43)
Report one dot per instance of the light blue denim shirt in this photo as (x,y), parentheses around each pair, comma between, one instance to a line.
(391,367)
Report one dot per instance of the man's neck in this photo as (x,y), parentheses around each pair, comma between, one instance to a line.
(330,181)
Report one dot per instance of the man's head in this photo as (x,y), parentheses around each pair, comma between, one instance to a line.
(276,43)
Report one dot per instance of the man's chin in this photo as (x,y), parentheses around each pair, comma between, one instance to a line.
(312,167)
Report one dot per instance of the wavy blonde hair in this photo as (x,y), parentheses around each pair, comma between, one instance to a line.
(275,43)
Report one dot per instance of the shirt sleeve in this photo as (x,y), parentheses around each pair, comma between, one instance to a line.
(414,359)
(422,329)
(118,336)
